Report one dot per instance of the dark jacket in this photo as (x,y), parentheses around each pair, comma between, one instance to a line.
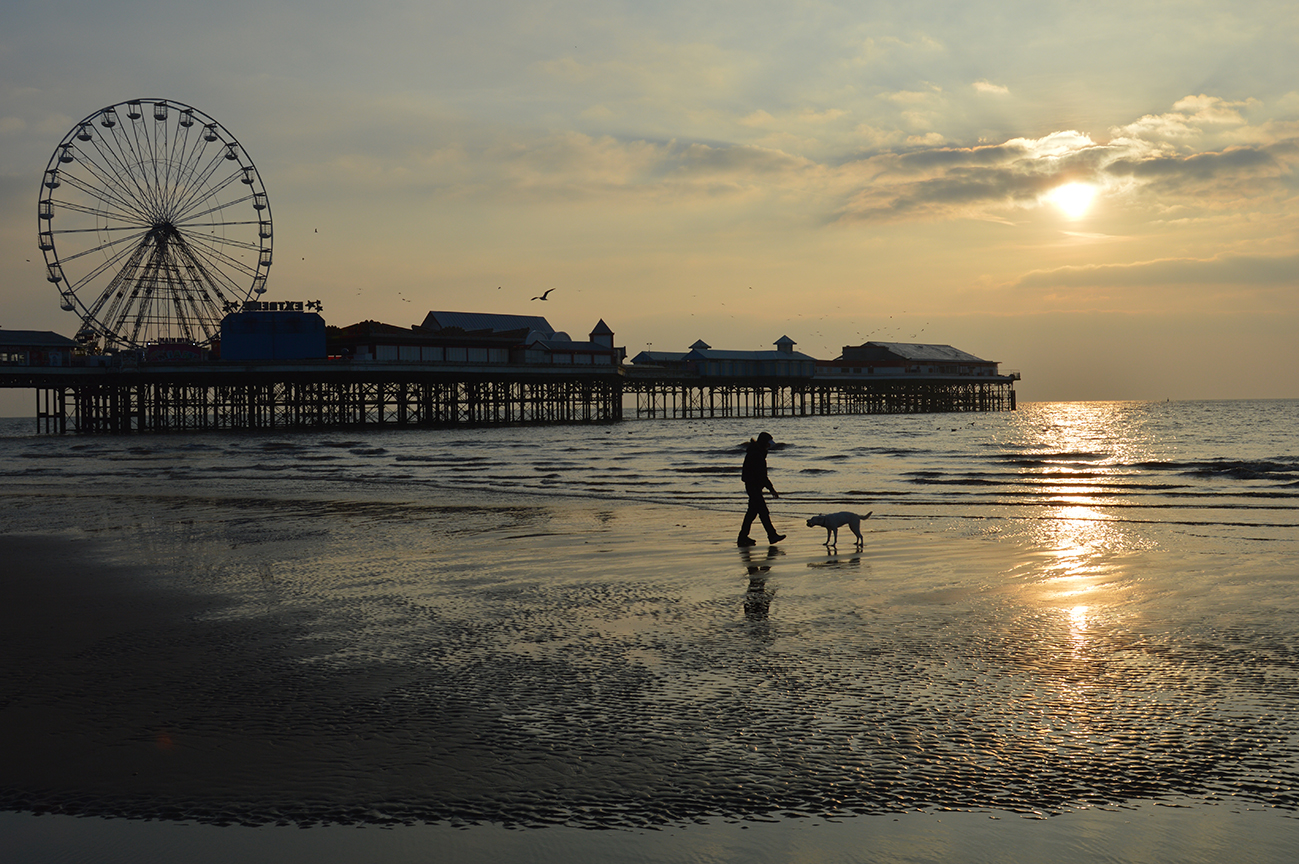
(754,472)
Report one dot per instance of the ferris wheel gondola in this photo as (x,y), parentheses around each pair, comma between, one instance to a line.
(153,220)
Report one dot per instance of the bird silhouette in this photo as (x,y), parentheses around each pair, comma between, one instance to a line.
(544,295)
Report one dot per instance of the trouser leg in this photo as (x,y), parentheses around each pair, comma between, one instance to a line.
(757,510)
(756,507)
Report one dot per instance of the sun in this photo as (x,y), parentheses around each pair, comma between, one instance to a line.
(1073,199)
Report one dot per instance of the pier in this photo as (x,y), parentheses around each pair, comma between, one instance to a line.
(683,396)
(312,396)
(444,375)
(297,396)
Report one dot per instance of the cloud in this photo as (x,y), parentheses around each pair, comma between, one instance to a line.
(955,182)
(1200,166)
(646,73)
(753,162)
(573,167)
(811,116)
(990,88)
(877,51)
(927,180)
(1191,117)
(1211,179)
(1257,270)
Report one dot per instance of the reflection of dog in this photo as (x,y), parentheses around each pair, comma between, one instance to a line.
(832,522)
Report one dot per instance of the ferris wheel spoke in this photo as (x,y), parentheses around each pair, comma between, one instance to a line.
(108,265)
(190,217)
(218,274)
(215,242)
(182,165)
(188,299)
(110,209)
(107,229)
(100,188)
(197,187)
(106,215)
(185,308)
(116,172)
(183,209)
(115,243)
(202,304)
(219,260)
(148,285)
(176,156)
(114,293)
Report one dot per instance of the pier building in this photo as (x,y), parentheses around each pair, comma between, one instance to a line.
(36,348)
(469,368)
(873,378)
(462,337)
(272,334)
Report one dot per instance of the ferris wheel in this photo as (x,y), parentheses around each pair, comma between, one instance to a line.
(154,222)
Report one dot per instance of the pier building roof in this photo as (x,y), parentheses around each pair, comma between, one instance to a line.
(494,322)
(907,358)
(35,339)
(720,354)
(917,352)
(783,362)
(651,358)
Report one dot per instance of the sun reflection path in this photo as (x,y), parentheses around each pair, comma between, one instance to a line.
(1075,541)
(1078,626)
(1079,453)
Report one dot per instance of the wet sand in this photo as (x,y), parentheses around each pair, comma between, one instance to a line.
(506,684)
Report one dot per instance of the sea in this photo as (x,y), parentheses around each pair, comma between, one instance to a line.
(1072,611)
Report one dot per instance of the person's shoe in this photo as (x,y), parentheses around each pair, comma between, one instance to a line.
(746,541)
(773,539)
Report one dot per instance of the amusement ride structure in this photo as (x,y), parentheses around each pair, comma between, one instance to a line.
(153,221)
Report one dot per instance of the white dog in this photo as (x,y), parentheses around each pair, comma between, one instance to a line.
(832,522)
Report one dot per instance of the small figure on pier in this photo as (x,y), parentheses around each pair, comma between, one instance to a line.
(754,475)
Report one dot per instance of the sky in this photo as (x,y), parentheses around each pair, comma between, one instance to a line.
(1101,196)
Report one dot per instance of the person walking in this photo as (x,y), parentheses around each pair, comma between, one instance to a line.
(754,475)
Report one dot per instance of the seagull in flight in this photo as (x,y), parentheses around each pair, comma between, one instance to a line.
(544,294)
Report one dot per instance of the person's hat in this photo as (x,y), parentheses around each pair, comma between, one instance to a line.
(764,437)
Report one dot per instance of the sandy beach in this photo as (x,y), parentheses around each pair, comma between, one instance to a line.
(578,681)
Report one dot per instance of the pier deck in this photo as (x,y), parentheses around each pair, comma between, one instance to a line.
(684,396)
(313,395)
(323,394)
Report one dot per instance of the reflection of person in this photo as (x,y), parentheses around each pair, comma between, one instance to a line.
(754,475)
(757,600)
